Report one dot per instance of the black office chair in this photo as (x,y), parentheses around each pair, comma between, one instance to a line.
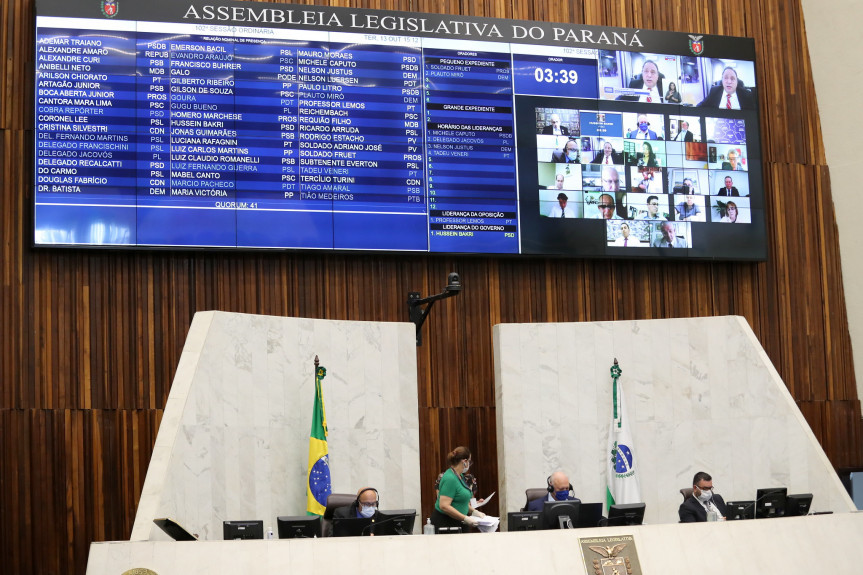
(534,493)
(334,501)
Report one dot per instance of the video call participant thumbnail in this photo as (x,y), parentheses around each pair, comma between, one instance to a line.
(649,80)
(610,179)
(642,130)
(728,189)
(730,94)
(569,154)
(667,237)
(555,128)
(607,207)
(731,213)
(562,210)
(608,156)
(626,237)
(690,208)
(647,158)
(647,180)
(733,162)
(683,133)
(654,210)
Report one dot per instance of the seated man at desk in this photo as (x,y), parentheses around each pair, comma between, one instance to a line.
(559,489)
(365,505)
(703,501)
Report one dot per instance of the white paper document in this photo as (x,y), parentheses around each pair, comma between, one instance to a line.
(475,505)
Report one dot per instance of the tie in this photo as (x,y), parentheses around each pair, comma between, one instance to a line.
(669,245)
(607,160)
(649,98)
(624,241)
(563,213)
(728,101)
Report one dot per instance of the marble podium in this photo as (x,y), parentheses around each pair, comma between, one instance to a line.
(702,396)
(791,545)
(233,445)
(234,439)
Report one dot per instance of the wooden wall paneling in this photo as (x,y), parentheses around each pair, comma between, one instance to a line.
(449,428)
(842,432)
(13,505)
(836,337)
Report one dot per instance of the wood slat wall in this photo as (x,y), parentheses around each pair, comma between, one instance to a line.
(89,340)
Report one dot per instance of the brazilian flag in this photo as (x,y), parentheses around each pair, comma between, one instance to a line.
(318,487)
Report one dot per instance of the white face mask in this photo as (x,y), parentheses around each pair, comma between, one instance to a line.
(705,495)
(466,466)
(367,511)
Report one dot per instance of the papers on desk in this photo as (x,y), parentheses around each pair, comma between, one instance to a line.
(476,505)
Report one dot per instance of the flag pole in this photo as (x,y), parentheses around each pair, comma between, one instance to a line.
(623,485)
(318,483)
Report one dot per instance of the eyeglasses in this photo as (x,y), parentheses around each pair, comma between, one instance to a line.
(704,488)
(654,203)
(605,207)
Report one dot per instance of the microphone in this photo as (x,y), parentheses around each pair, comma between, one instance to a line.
(752,504)
(370,528)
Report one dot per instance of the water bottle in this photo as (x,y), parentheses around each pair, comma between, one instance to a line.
(428,528)
(269,533)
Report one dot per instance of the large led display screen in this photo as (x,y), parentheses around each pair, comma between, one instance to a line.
(271,126)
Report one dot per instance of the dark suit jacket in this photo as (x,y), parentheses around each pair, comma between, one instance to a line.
(688,137)
(691,511)
(538,504)
(616,158)
(638,84)
(558,157)
(549,131)
(723,191)
(744,96)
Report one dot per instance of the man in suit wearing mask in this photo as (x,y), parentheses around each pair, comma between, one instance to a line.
(365,505)
(703,501)
(559,489)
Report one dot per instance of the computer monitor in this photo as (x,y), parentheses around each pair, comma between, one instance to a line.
(351,526)
(395,522)
(589,515)
(299,526)
(739,510)
(770,502)
(523,521)
(242,530)
(560,514)
(626,514)
(798,504)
